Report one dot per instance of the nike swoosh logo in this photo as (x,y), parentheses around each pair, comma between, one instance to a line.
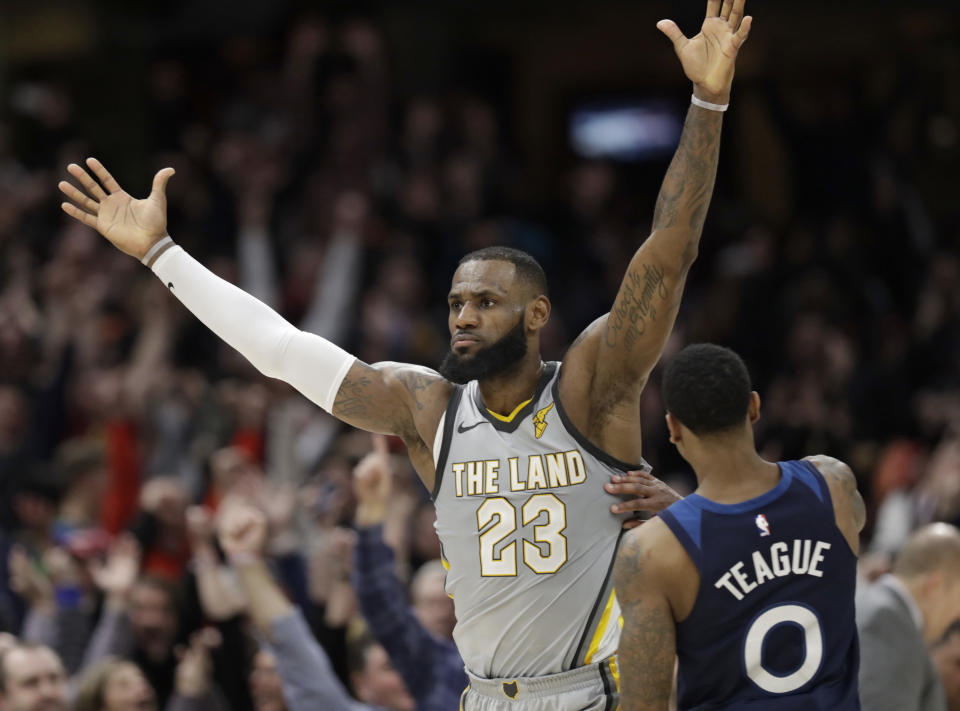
(461,429)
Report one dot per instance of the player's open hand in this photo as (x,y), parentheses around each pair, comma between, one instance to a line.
(708,59)
(133,226)
(640,491)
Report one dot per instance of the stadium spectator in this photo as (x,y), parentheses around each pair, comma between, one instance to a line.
(308,677)
(418,639)
(946,657)
(901,614)
(32,678)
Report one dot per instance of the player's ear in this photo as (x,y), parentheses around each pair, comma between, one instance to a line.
(538,312)
(673,426)
(753,408)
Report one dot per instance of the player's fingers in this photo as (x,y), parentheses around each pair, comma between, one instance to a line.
(78,214)
(634,505)
(632,523)
(713,8)
(673,33)
(88,204)
(726,9)
(103,175)
(628,488)
(736,14)
(92,186)
(635,475)
(741,35)
(160,182)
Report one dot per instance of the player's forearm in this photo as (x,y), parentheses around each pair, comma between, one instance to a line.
(309,363)
(688,186)
(646,673)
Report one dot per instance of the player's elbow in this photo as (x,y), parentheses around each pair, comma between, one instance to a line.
(271,361)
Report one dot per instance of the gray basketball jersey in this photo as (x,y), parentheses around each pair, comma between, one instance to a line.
(527,535)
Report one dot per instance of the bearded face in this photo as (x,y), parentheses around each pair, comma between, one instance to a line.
(488,361)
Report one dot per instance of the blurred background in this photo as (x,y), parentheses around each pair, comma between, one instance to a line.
(336,160)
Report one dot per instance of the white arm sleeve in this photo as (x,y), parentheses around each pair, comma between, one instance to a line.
(313,365)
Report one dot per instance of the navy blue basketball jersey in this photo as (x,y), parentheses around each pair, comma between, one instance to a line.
(773,624)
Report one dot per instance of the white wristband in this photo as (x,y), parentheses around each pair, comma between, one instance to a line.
(707,105)
(156,248)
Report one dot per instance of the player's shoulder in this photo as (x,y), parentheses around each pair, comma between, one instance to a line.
(412,377)
(647,555)
(835,471)
(425,391)
(848,503)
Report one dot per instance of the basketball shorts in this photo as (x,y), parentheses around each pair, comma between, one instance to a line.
(595,687)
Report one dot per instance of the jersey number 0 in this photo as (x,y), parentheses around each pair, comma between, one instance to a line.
(499,517)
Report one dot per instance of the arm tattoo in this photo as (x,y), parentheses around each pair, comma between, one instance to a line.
(648,639)
(635,309)
(688,185)
(416,384)
(354,398)
(645,295)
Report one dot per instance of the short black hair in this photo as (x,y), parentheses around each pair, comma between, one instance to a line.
(707,388)
(529,270)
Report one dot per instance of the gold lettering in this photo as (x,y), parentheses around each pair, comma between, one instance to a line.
(490,483)
(458,477)
(515,483)
(474,478)
(536,478)
(556,469)
(575,467)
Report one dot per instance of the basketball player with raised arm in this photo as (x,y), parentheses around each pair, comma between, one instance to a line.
(750,580)
(519,454)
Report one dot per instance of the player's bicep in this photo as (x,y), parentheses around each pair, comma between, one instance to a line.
(648,639)
(382,397)
(646,306)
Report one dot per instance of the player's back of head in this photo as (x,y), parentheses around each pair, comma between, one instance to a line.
(707,388)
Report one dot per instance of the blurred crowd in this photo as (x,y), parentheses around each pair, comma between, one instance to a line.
(829,261)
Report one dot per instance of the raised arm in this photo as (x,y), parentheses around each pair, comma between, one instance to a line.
(309,681)
(629,340)
(391,398)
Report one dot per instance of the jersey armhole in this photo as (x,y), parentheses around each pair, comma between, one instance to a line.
(587,444)
(683,536)
(438,440)
(441,440)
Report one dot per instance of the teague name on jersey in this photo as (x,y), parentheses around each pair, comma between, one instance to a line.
(802,558)
(541,471)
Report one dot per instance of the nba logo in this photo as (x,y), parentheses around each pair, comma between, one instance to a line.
(762,524)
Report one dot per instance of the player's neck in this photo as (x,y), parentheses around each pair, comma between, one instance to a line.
(502,393)
(733,472)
